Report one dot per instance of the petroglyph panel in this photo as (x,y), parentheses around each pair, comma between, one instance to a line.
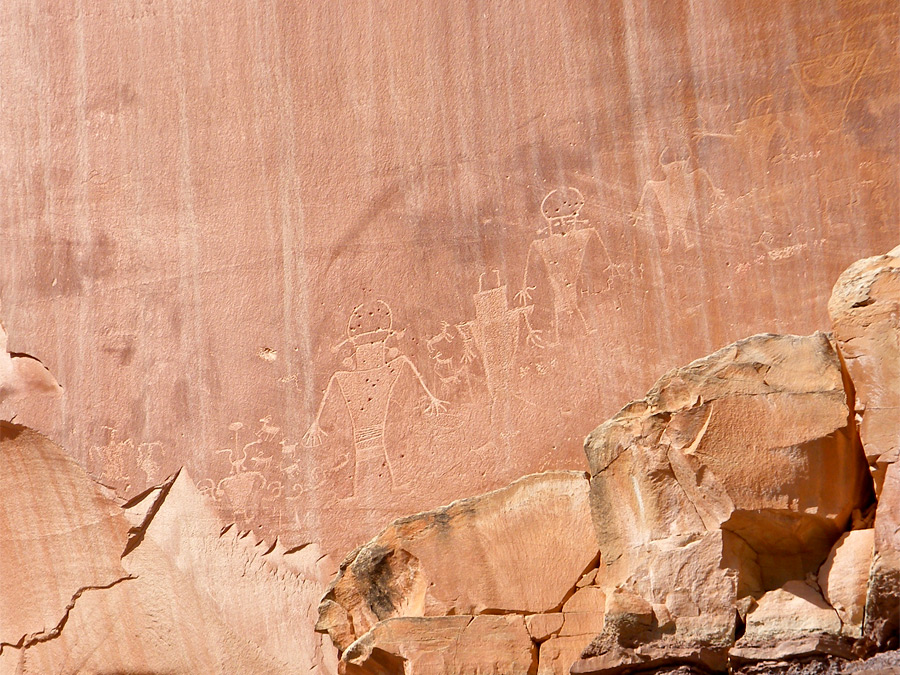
(543,205)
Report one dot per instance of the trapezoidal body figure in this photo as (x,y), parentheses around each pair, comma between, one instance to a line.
(677,197)
(557,259)
(367,387)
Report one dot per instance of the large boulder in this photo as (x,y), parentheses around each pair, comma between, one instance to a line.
(518,549)
(865,313)
(733,476)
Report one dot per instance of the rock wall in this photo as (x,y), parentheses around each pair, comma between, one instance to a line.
(204,199)
(278,274)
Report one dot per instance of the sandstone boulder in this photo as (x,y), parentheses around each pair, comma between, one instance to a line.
(844,578)
(582,618)
(864,309)
(731,477)
(462,645)
(518,549)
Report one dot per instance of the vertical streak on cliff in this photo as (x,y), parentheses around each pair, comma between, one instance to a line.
(188,235)
(636,54)
(84,358)
(296,312)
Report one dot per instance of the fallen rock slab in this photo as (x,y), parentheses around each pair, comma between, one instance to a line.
(518,549)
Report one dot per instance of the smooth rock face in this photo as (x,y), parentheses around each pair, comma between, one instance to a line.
(521,548)
(60,537)
(22,376)
(844,578)
(864,308)
(734,475)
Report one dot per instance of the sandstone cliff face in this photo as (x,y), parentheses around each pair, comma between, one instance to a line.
(154,586)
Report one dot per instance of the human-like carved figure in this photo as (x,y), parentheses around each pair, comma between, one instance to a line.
(676,195)
(495,331)
(562,253)
(367,387)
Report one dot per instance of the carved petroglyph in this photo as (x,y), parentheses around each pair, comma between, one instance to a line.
(367,388)
(495,332)
(147,461)
(452,351)
(238,489)
(676,196)
(561,253)
(829,81)
(111,457)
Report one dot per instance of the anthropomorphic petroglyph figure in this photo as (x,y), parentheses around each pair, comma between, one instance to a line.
(239,487)
(367,388)
(496,334)
(677,197)
(147,461)
(562,253)
(754,136)
(829,81)
(111,459)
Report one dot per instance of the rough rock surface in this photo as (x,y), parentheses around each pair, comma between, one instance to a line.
(844,578)
(464,645)
(518,549)
(734,475)
(865,311)
(89,587)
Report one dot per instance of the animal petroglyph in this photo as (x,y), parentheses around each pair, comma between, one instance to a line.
(367,388)
(829,81)
(754,138)
(677,195)
(452,351)
(562,254)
